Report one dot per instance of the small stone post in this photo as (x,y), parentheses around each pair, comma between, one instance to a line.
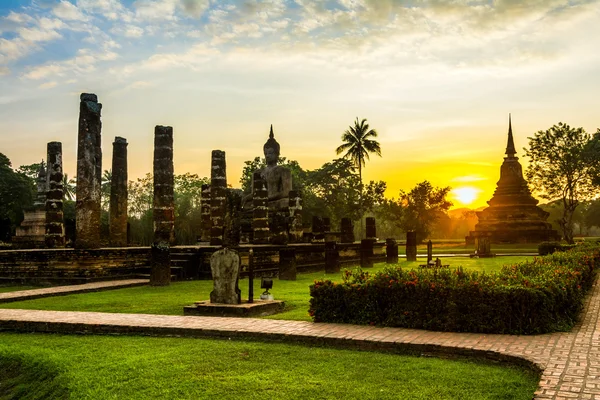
(295,234)
(326,224)
(332,258)
(371,229)
(89,173)
(429,252)
(260,213)
(391,251)
(205,213)
(347,229)
(317,229)
(411,246)
(366,253)
(118,194)
(218,189)
(55,229)
(287,264)
(164,215)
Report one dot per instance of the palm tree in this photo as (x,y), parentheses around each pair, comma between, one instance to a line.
(68,187)
(358,143)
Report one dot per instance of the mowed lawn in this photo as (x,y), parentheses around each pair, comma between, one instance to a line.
(170,300)
(41,366)
(51,366)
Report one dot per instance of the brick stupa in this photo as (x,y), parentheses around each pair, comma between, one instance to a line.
(513,215)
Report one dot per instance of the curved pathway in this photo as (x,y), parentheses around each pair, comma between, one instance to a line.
(569,361)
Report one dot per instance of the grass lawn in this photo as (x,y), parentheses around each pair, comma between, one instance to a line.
(170,300)
(41,366)
(460,247)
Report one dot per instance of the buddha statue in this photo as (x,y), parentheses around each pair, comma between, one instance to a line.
(277,178)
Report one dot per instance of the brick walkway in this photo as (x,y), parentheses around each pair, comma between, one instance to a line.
(569,361)
(64,290)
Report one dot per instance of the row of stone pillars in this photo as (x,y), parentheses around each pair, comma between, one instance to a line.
(89,184)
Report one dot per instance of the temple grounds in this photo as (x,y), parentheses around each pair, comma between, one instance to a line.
(169,300)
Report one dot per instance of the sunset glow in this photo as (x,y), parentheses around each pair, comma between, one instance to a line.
(437,81)
(464,195)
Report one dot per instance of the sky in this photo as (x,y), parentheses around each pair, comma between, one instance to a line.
(436,79)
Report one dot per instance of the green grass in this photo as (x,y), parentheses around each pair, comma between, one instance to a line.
(170,300)
(449,247)
(102,367)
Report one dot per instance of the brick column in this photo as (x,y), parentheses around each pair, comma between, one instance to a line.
(218,188)
(205,213)
(164,215)
(118,194)
(260,213)
(55,229)
(317,229)
(89,173)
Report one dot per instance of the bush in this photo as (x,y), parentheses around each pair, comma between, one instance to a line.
(546,248)
(538,296)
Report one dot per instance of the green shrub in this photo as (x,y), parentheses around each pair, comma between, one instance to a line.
(538,296)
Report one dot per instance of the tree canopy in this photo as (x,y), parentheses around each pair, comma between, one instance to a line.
(564,165)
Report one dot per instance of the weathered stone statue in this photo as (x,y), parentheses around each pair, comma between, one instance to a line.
(284,222)
(277,178)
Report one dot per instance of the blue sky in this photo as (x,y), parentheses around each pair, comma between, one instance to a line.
(436,78)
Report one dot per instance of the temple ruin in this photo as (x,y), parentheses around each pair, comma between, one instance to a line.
(513,215)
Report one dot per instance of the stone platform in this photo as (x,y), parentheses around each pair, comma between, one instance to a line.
(258,308)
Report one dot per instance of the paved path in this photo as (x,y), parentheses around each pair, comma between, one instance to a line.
(570,361)
(71,289)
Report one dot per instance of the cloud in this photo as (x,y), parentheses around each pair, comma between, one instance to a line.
(155,10)
(68,11)
(195,8)
(133,31)
(48,85)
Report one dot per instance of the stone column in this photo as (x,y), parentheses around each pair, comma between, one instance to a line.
(391,251)
(287,264)
(366,253)
(296,231)
(278,226)
(55,229)
(332,258)
(260,213)
(347,229)
(218,189)
(89,173)
(118,194)
(411,246)
(371,229)
(163,210)
(205,213)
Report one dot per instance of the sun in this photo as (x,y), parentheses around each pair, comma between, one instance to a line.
(465,194)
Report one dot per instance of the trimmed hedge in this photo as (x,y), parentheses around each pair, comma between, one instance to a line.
(546,248)
(539,296)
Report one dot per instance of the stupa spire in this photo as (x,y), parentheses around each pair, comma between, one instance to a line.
(510,145)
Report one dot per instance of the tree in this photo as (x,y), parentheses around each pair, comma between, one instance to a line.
(69,187)
(16,195)
(358,143)
(564,163)
(422,207)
